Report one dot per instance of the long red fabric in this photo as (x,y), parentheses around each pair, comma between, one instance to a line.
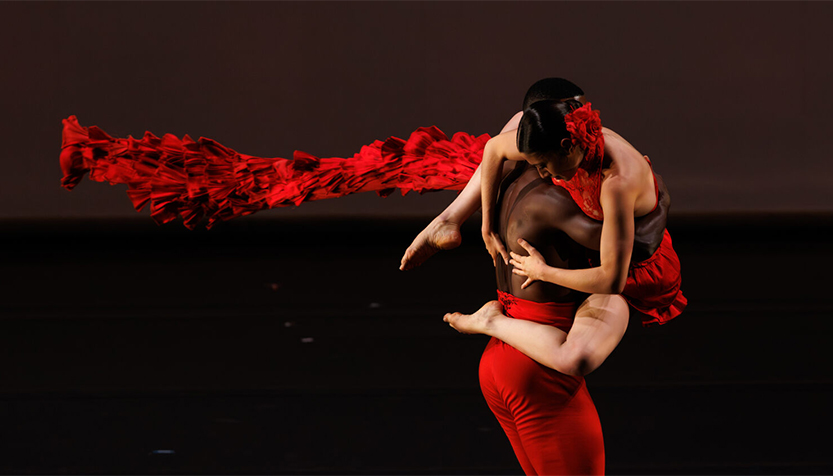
(204,179)
(548,416)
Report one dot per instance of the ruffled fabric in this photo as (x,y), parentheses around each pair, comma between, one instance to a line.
(585,127)
(204,179)
(653,285)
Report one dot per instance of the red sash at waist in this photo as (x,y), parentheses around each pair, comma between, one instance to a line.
(557,314)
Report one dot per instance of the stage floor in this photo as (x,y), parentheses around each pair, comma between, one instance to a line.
(298,347)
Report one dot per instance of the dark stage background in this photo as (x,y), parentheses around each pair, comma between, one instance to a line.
(289,342)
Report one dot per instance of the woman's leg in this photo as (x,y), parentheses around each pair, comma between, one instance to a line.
(599,324)
(601,321)
(443,233)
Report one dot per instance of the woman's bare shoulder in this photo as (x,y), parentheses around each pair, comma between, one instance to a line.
(618,142)
(506,146)
(513,123)
(628,173)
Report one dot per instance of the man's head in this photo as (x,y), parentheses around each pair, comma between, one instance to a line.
(553,88)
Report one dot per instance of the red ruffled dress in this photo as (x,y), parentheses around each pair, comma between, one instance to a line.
(653,285)
(204,179)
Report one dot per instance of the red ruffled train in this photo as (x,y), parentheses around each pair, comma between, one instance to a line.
(204,179)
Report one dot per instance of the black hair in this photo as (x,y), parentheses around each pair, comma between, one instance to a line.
(551,88)
(542,127)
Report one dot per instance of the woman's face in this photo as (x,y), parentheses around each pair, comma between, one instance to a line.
(558,166)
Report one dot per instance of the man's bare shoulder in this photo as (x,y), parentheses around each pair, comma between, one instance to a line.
(550,208)
(553,201)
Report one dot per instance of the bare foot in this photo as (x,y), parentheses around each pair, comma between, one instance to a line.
(478,323)
(438,235)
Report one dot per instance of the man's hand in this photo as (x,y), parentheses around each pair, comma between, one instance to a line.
(532,266)
(494,245)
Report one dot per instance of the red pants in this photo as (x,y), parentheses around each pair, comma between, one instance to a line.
(548,416)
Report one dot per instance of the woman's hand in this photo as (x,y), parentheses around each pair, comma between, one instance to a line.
(494,245)
(532,266)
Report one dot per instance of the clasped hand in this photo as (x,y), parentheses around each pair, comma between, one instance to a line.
(532,266)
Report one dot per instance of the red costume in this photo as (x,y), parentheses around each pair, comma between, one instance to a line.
(653,285)
(204,179)
(548,416)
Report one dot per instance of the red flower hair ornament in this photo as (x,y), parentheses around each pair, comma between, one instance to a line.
(585,128)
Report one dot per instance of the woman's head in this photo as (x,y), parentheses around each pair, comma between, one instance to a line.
(544,139)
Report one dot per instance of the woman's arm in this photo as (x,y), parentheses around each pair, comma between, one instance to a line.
(599,325)
(617,201)
(498,150)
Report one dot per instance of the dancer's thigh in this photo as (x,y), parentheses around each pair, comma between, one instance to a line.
(601,321)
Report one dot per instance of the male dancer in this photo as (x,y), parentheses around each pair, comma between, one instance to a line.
(545,410)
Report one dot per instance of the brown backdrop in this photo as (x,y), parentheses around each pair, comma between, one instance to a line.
(730,100)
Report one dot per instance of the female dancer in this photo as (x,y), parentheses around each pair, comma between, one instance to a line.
(611,181)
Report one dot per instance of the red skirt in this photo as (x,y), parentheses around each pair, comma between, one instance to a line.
(653,286)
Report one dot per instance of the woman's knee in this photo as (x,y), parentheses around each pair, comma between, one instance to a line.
(600,323)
